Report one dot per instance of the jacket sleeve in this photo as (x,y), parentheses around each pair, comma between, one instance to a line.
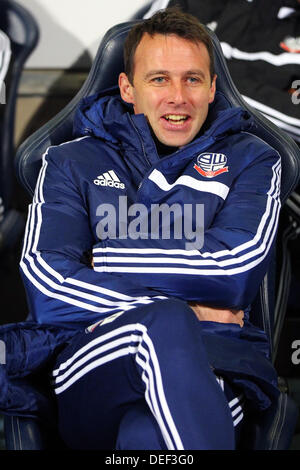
(228,269)
(60,284)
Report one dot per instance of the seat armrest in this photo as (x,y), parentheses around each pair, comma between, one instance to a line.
(29,434)
(272,429)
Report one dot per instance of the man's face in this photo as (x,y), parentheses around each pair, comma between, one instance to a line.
(171,87)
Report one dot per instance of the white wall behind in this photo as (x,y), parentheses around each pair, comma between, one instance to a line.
(70,30)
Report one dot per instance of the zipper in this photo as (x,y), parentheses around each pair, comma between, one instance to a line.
(209,141)
(141,140)
(143,149)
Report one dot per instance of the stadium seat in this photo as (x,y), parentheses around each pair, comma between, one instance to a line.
(22,30)
(272,429)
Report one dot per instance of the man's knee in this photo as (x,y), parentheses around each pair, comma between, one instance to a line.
(172,312)
(172,326)
(139,430)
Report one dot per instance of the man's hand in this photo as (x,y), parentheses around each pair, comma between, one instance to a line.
(219,315)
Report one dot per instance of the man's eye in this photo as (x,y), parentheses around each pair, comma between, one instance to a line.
(193,80)
(159,79)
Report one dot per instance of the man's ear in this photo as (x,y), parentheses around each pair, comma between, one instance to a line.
(126,89)
(213,89)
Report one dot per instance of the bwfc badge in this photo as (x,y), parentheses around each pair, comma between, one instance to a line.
(211,164)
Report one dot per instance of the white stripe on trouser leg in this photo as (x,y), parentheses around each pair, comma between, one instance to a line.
(94,342)
(151,375)
(89,367)
(236,411)
(232,403)
(235,400)
(161,395)
(125,340)
(238,419)
(150,383)
(220,381)
(150,397)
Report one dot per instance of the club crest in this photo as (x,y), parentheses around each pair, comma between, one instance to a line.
(211,164)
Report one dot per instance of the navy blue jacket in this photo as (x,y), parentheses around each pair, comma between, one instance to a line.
(233,175)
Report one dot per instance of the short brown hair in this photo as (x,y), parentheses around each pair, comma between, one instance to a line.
(167,22)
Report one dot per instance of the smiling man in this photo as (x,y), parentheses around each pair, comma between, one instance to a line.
(172,86)
(159,352)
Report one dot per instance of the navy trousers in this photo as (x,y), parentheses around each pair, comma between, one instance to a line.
(143,381)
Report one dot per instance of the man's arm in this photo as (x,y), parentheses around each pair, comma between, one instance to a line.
(227,271)
(60,283)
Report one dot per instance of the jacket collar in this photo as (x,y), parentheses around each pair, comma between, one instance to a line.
(108,117)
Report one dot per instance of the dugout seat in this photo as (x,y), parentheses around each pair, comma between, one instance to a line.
(272,429)
(22,30)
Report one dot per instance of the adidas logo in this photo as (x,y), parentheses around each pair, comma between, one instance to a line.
(109,178)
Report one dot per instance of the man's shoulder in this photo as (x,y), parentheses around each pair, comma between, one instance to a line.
(251,142)
(77,148)
(64,147)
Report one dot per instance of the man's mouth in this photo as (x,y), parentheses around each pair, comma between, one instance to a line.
(175,118)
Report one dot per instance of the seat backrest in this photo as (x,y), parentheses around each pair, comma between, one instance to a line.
(22,30)
(104,73)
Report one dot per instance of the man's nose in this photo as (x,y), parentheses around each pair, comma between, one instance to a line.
(176,93)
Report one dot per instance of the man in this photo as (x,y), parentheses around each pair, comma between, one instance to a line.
(161,353)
